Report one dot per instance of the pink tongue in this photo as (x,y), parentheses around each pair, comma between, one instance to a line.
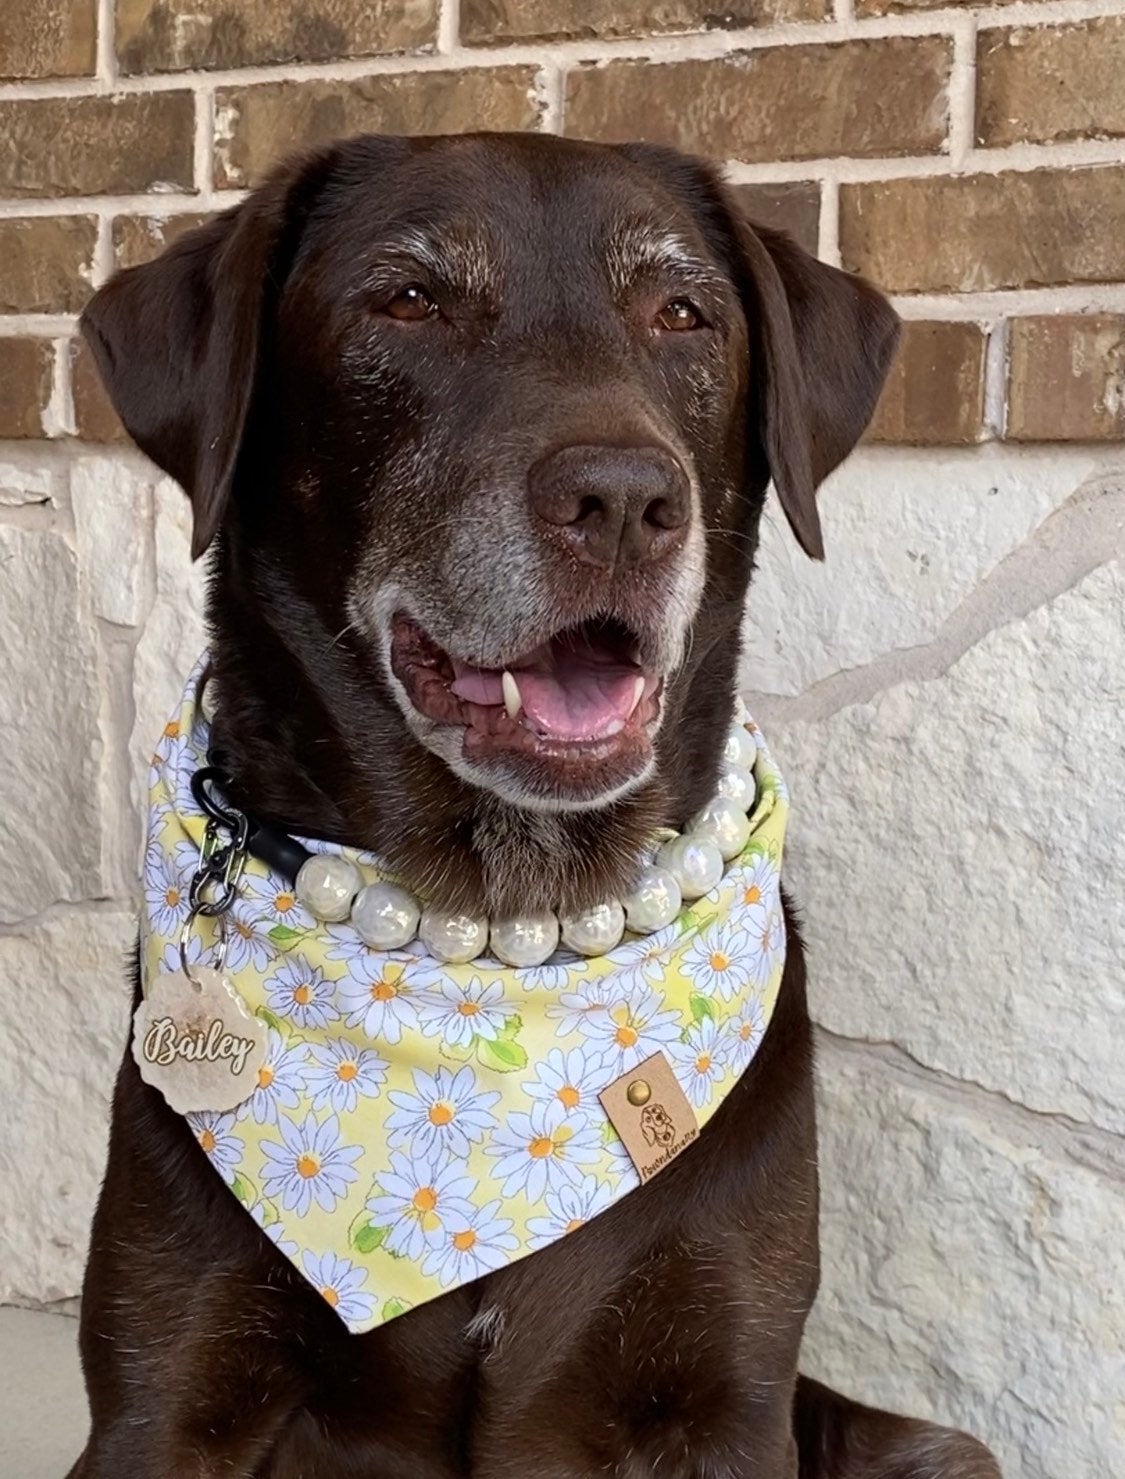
(578,700)
(567,694)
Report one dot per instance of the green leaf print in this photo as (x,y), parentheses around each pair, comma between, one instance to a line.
(269,1019)
(511,1028)
(367,1238)
(285,935)
(243,1189)
(505,1057)
(396,1307)
(700,1008)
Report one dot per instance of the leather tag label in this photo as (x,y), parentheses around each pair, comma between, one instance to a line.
(651,1113)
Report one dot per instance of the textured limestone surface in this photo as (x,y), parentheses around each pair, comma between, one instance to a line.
(58,1055)
(945,694)
(49,813)
(982,811)
(972,1266)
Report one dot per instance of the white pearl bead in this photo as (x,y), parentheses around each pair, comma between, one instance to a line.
(725,823)
(595,931)
(326,885)
(738,785)
(528,939)
(454,938)
(740,748)
(694,862)
(654,902)
(386,916)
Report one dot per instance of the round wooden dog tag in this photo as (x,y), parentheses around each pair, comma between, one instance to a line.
(195,1041)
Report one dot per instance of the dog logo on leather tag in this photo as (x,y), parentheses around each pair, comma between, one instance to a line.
(195,1041)
(651,1113)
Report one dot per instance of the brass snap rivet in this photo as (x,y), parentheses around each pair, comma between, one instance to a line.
(638,1092)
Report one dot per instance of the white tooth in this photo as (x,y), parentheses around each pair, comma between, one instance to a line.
(512,701)
(638,693)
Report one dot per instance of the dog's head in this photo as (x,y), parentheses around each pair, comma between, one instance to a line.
(481,428)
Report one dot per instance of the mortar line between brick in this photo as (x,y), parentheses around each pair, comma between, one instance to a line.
(996,379)
(449,27)
(828,225)
(963,92)
(551,83)
(1091,1145)
(58,414)
(103,249)
(705,45)
(106,64)
(1019,158)
(203,150)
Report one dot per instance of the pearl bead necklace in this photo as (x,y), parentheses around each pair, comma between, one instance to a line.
(687,866)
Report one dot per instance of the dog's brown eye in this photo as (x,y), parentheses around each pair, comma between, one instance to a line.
(412,304)
(679,314)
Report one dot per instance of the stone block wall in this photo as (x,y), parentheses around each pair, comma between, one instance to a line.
(945,692)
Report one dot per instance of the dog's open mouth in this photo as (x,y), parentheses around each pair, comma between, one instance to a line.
(581,698)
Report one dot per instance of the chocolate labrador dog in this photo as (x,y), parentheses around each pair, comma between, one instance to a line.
(436,402)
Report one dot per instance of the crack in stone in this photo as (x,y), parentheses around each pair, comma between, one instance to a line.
(1049,1131)
(1085,532)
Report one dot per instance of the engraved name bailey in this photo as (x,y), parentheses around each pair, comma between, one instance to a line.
(165,1042)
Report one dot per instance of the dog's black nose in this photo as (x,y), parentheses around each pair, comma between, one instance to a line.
(612,505)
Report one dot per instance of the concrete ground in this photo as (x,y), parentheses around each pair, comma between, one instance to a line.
(42,1404)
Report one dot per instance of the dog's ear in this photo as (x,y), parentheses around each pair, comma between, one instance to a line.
(825,340)
(177,340)
(821,340)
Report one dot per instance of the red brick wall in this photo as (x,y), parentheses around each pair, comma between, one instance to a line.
(968,159)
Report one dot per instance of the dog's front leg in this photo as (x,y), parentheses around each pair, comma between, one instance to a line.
(677,1372)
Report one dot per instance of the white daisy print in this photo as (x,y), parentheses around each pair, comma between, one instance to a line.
(471,1244)
(311,1164)
(281,1080)
(457,1013)
(574,1008)
(382,1003)
(249,947)
(413,1200)
(701,1060)
(642,963)
(273,1229)
(444,1116)
(340,1283)
(542,1150)
(299,992)
(717,961)
(552,976)
(568,1208)
(339,1073)
(746,1030)
(632,1029)
(216,1137)
(275,900)
(195,952)
(573,1079)
(765,931)
(166,896)
(756,882)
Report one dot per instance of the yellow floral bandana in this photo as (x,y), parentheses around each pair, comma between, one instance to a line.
(416,1124)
